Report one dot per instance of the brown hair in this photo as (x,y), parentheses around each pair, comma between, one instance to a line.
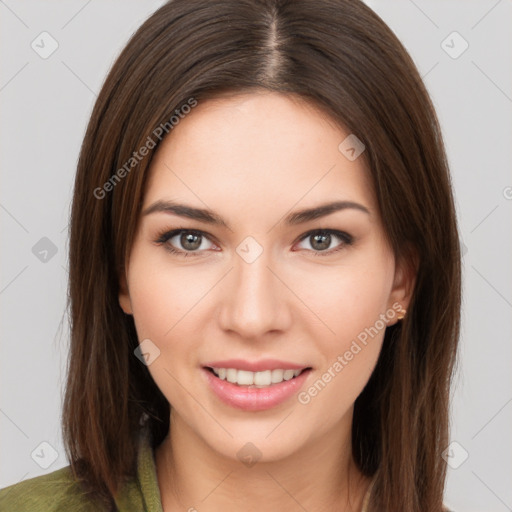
(340,56)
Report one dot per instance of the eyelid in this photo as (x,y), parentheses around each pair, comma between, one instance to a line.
(164,237)
(171,233)
(346,239)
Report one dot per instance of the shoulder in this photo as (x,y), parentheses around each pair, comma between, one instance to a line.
(54,492)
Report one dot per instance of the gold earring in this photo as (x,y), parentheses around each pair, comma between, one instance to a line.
(400,315)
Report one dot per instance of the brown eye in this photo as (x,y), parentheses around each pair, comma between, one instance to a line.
(184,242)
(190,241)
(321,240)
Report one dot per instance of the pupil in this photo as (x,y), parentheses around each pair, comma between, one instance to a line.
(324,241)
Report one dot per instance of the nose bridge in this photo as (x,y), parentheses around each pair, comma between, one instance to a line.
(254,302)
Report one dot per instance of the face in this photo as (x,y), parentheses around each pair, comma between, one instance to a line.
(251,288)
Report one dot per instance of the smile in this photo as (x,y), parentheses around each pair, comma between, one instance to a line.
(255,386)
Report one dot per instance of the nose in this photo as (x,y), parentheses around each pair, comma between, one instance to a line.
(254,299)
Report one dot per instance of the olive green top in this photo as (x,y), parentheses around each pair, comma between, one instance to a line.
(59,491)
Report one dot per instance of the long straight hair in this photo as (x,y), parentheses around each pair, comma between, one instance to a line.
(340,56)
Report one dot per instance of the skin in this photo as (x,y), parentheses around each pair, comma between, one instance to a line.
(253,158)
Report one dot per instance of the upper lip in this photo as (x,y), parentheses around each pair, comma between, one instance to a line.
(256,366)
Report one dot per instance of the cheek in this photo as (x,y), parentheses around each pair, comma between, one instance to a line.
(163,303)
(351,306)
(161,299)
(348,299)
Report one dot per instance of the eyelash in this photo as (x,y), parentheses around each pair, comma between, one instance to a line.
(165,236)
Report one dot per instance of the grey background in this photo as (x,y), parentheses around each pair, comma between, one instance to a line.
(45,104)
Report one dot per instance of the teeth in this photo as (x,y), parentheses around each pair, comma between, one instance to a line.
(277,376)
(231,375)
(263,378)
(288,374)
(257,379)
(245,378)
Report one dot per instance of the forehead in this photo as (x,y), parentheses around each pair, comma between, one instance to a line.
(257,151)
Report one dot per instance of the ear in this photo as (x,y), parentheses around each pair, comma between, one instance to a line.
(406,269)
(124,294)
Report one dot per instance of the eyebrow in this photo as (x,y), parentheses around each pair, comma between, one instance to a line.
(210,217)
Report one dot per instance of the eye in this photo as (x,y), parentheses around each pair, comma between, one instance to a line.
(184,242)
(320,241)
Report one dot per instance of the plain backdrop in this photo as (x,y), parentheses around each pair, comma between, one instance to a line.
(464,52)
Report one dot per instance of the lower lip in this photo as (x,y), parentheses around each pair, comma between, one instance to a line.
(255,399)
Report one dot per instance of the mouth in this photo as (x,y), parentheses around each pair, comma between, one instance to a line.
(263,387)
(255,380)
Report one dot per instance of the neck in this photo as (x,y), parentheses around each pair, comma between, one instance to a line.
(322,476)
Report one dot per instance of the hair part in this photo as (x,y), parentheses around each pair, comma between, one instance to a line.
(341,57)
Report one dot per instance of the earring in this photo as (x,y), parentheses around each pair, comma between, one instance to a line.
(400,315)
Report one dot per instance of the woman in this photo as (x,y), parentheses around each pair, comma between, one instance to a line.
(264,271)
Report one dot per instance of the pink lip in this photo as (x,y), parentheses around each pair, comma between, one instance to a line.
(256,366)
(254,399)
